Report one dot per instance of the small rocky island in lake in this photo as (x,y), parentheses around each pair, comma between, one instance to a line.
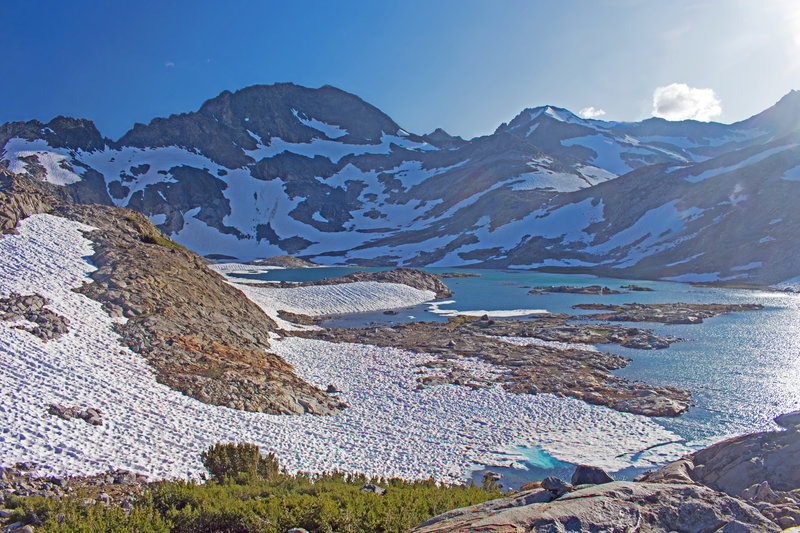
(675,313)
(589,289)
(636,288)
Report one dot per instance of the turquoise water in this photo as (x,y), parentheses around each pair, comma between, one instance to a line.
(743,369)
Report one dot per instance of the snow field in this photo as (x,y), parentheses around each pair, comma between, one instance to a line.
(436,308)
(320,300)
(241,268)
(390,428)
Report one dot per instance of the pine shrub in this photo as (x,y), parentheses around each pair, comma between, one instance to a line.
(242,461)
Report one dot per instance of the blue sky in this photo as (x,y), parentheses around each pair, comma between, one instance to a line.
(462,65)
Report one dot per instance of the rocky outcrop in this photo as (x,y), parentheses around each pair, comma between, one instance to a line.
(565,328)
(374,489)
(20,198)
(457,275)
(283,261)
(672,313)
(90,415)
(522,369)
(734,465)
(617,507)
(298,318)
(588,289)
(202,336)
(636,288)
(120,487)
(43,322)
(762,469)
(590,475)
(61,132)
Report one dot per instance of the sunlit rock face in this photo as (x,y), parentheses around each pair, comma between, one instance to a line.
(319,173)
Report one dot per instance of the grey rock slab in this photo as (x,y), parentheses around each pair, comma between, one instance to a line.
(555,484)
(369,487)
(612,507)
(789,420)
(590,475)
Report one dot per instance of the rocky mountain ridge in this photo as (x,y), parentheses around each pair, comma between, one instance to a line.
(321,174)
(202,336)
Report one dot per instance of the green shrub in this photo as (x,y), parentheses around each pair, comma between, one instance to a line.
(71,515)
(490,483)
(241,461)
(328,502)
(150,238)
(252,494)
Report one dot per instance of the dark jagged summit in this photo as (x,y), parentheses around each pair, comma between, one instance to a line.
(61,132)
(227,125)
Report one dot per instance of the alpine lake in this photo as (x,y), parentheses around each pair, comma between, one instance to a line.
(742,368)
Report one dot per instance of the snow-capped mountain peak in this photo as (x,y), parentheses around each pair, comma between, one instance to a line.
(274,169)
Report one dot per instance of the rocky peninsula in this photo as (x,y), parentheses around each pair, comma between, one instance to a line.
(283,261)
(524,368)
(560,363)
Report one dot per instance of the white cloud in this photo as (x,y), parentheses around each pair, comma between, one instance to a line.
(678,101)
(591,112)
(169,64)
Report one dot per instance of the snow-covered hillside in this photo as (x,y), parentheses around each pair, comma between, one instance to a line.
(319,173)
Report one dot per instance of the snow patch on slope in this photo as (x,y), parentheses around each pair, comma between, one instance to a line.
(54,160)
(793,174)
(331,131)
(567,221)
(117,164)
(334,150)
(595,175)
(608,152)
(321,300)
(718,171)
(654,231)
(436,308)
(547,179)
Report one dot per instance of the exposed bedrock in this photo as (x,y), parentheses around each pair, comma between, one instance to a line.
(745,484)
(618,507)
(203,337)
(589,289)
(283,261)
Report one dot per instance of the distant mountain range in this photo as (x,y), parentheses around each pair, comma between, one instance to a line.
(321,174)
